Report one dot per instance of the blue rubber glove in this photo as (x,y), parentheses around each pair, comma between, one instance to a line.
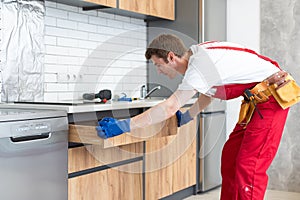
(110,127)
(183,118)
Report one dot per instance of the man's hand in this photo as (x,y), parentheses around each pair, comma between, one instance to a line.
(183,118)
(110,127)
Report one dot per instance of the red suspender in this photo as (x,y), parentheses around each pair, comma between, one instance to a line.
(246,50)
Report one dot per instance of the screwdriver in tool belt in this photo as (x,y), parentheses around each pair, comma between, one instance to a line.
(250,96)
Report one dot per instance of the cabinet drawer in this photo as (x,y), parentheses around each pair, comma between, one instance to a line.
(88,134)
(109,184)
(91,156)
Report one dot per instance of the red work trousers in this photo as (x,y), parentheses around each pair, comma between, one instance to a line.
(249,151)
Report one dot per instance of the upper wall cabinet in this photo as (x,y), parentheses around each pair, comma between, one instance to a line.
(139,6)
(108,3)
(147,9)
(158,8)
(89,4)
(162,8)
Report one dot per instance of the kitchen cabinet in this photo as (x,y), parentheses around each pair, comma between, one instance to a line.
(139,6)
(163,9)
(138,166)
(111,168)
(172,167)
(146,9)
(109,3)
(112,183)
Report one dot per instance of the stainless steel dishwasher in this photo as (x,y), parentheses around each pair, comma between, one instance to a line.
(33,154)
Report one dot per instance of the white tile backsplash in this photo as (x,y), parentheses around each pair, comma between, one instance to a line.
(87,51)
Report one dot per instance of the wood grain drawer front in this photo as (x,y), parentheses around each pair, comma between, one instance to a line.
(110,184)
(90,156)
(88,134)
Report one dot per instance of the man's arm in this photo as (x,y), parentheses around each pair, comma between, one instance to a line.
(110,127)
(183,118)
(163,110)
(202,102)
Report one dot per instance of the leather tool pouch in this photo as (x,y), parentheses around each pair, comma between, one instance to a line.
(246,112)
(287,93)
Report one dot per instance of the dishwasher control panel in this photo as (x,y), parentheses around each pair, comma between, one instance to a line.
(33,127)
(30,128)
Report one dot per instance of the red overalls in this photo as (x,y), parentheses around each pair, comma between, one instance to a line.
(249,151)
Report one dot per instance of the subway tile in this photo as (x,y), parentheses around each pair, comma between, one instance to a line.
(63,77)
(53,12)
(94,62)
(88,51)
(78,34)
(105,30)
(50,4)
(50,21)
(54,31)
(55,50)
(95,70)
(97,37)
(130,26)
(51,87)
(78,52)
(50,96)
(87,27)
(67,42)
(87,44)
(122,18)
(55,68)
(77,17)
(67,24)
(50,59)
(50,40)
(138,21)
(77,69)
(67,60)
(115,23)
(50,78)
(97,20)
(102,14)
(68,96)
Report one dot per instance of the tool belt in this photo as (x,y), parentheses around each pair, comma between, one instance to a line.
(280,85)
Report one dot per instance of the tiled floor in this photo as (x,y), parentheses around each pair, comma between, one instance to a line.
(270,195)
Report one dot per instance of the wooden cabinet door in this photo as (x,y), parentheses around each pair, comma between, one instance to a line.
(138,6)
(109,3)
(162,8)
(171,162)
(184,169)
(159,8)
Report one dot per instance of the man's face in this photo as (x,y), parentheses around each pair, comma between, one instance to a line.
(163,67)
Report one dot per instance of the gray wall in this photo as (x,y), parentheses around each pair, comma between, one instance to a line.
(280,40)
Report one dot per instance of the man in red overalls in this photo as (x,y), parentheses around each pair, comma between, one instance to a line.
(218,70)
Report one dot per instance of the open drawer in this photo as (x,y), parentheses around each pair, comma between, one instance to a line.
(88,135)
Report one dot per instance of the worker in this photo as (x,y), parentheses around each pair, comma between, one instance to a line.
(222,70)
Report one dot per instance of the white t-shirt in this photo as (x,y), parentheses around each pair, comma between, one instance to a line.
(215,67)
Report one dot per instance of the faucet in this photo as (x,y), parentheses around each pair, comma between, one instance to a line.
(145,95)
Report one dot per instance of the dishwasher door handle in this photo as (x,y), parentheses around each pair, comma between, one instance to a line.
(30,138)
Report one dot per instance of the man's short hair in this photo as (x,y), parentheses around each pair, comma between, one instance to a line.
(163,44)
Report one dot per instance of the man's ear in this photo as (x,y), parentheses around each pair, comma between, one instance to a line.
(171,57)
